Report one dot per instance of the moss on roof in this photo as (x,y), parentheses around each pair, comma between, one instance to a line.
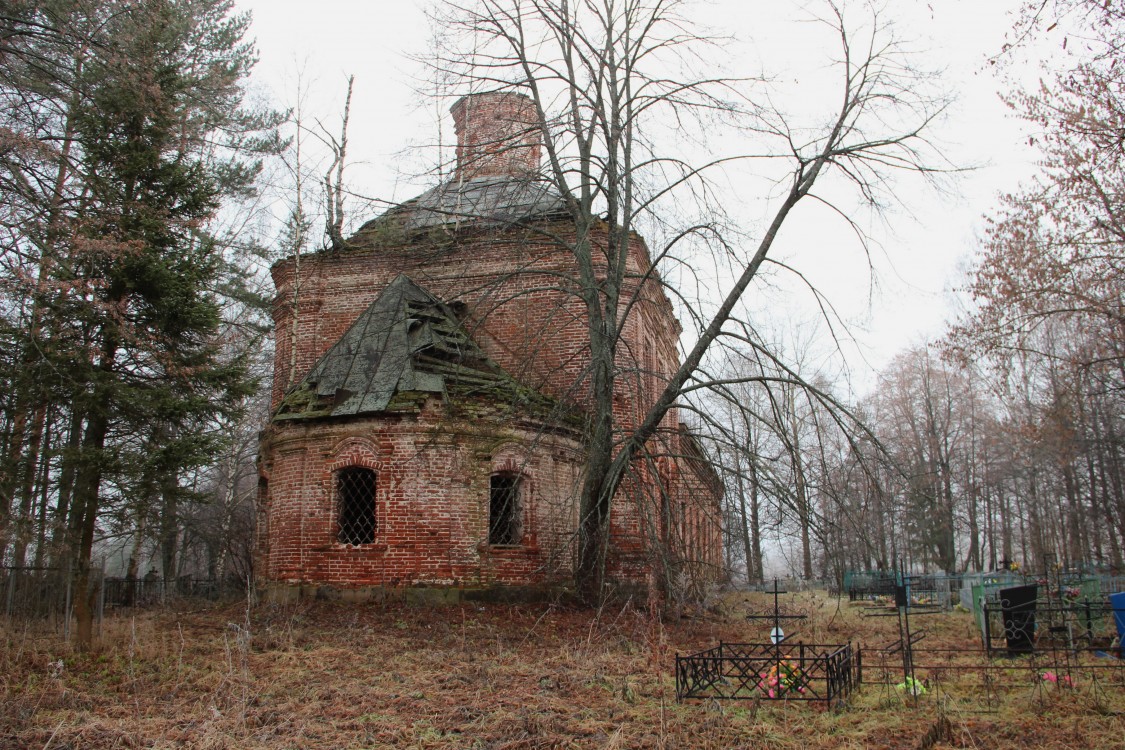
(481,201)
(406,346)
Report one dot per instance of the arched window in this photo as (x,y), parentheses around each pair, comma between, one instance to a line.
(355,505)
(504,509)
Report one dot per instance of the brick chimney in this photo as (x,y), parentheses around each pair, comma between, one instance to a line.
(497,135)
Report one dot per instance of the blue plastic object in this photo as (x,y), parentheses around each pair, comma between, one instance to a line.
(1117,601)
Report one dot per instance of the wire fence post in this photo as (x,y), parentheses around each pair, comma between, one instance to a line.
(11,590)
(69,597)
(101,596)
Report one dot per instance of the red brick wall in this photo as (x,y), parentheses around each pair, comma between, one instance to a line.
(522,304)
(523,312)
(697,492)
(497,135)
(431,502)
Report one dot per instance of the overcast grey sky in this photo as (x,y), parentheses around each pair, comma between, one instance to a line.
(919,247)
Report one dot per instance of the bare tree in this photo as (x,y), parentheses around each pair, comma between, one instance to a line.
(334,176)
(603,77)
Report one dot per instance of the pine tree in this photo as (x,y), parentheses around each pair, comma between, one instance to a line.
(130,302)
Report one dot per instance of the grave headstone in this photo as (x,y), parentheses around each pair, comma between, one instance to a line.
(1018,609)
(902,597)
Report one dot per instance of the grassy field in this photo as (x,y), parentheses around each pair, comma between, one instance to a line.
(333,675)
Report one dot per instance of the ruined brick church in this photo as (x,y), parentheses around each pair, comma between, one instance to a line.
(428,412)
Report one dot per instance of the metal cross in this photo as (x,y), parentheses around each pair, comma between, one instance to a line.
(777,617)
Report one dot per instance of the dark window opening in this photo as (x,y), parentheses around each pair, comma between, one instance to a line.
(355,501)
(504,509)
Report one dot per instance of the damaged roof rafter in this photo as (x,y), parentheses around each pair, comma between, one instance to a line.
(406,342)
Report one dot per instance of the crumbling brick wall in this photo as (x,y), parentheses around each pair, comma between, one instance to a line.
(431,502)
(517,287)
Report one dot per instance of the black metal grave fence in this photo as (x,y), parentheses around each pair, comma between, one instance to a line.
(767,671)
(1040,625)
(923,590)
(865,584)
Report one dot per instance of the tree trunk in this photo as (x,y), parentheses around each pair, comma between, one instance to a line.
(598,486)
(44,485)
(972,558)
(756,524)
(133,568)
(744,529)
(64,552)
(24,524)
(84,512)
(596,495)
(1075,540)
(1005,527)
(87,488)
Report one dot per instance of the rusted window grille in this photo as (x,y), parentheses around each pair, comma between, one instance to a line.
(504,509)
(355,500)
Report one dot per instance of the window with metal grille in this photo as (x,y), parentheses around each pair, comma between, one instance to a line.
(504,509)
(355,505)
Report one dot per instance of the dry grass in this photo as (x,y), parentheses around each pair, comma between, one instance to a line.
(329,675)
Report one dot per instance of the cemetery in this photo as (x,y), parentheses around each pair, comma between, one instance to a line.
(786,667)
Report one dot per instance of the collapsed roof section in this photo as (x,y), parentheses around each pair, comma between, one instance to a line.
(405,346)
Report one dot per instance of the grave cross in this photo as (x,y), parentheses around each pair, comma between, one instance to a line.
(776,635)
